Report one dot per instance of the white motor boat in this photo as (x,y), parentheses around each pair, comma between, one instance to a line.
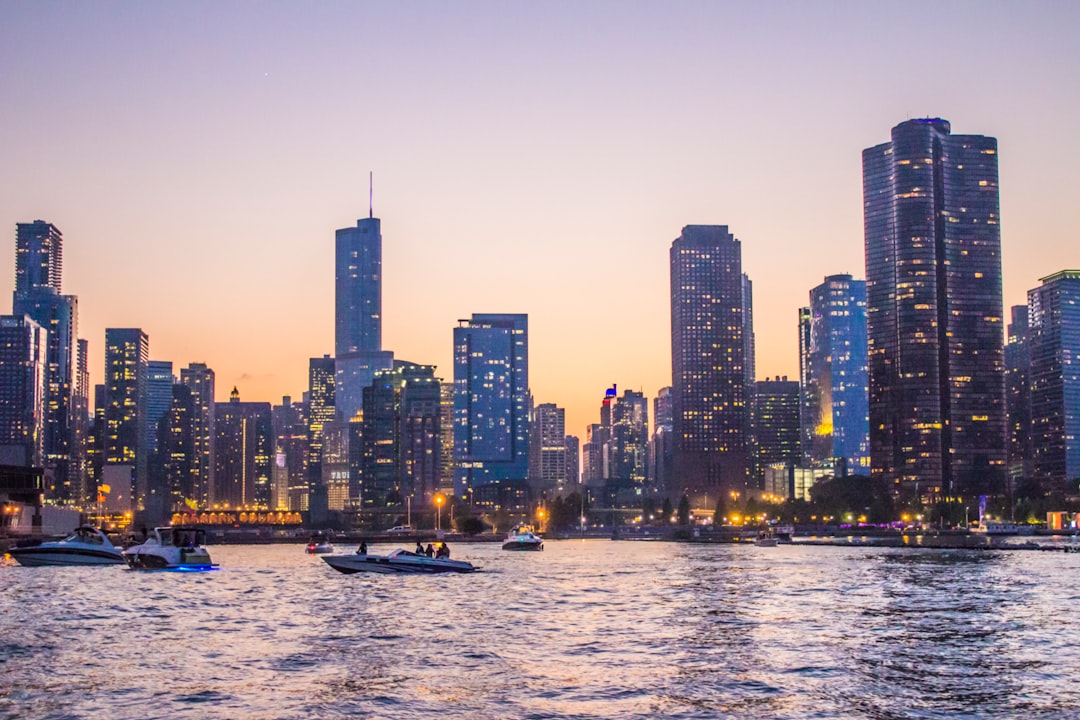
(319,544)
(523,538)
(84,546)
(170,548)
(399,561)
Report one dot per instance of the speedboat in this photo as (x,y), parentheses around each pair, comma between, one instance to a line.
(170,548)
(399,561)
(523,538)
(84,546)
(319,544)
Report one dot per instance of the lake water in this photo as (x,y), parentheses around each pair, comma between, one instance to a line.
(585,629)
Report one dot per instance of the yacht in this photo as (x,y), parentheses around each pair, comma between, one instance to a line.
(170,548)
(85,545)
(399,561)
(523,538)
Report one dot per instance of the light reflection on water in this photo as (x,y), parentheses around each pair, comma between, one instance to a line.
(584,629)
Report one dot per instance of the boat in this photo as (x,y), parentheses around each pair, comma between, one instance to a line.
(399,561)
(766,538)
(171,548)
(85,545)
(523,538)
(319,544)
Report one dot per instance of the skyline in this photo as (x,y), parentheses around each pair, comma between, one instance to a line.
(571,143)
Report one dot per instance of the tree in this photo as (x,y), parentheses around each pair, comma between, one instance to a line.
(721,511)
(684,510)
(648,510)
(470,526)
(666,512)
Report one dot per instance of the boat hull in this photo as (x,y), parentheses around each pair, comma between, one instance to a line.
(522,545)
(42,557)
(185,560)
(385,565)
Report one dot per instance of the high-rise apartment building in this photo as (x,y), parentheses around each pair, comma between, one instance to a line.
(491,401)
(401,438)
(662,443)
(934,310)
(708,356)
(1054,317)
(776,425)
(38,294)
(244,451)
(835,384)
(628,439)
(127,353)
(23,370)
(1018,396)
(290,430)
(548,437)
(358,314)
(199,378)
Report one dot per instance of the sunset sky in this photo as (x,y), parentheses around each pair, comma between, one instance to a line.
(528,158)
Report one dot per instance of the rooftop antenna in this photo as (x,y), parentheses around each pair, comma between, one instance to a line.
(371,194)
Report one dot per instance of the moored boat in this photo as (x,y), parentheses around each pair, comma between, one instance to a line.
(399,561)
(85,545)
(170,548)
(523,538)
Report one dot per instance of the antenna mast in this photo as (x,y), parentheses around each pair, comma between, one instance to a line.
(371,194)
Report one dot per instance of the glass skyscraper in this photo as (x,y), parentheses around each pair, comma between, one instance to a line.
(835,413)
(491,401)
(38,294)
(934,310)
(127,352)
(1054,317)
(358,314)
(708,347)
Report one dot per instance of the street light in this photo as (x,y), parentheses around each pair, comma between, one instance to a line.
(438,512)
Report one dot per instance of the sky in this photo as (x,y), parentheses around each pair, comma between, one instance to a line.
(533,158)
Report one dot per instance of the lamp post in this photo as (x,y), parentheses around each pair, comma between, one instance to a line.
(438,512)
(408,510)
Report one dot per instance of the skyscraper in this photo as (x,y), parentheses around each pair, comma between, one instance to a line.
(127,352)
(548,438)
(1018,395)
(708,347)
(934,310)
(1054,316)
(491,401)
(358,314)
(776,424)
(199,378)
(835,412)
(23,368)
(244,452)
(38,294)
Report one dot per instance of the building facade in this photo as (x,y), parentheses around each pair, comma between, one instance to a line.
(127,354)
(491,401)
(243,453)
(835,383)
(199,379)
(934,311)
(708,349)
(23,371)
(1054,316)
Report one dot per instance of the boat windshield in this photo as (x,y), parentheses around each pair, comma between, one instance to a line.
(84,535)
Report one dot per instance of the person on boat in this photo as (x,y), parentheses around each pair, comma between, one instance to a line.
(430,551)
(419,548)
(362,550)
(444,551)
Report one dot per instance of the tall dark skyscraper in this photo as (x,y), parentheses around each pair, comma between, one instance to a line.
(127,352)
(199,378)
(1054,316)
(934,310)
(1018,395)
(776,424)
(708,347)
(835,414)
(358,314)
(23,369)
(38,294)
(244,452)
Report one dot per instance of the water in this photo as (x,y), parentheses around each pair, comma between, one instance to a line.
(585,629)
